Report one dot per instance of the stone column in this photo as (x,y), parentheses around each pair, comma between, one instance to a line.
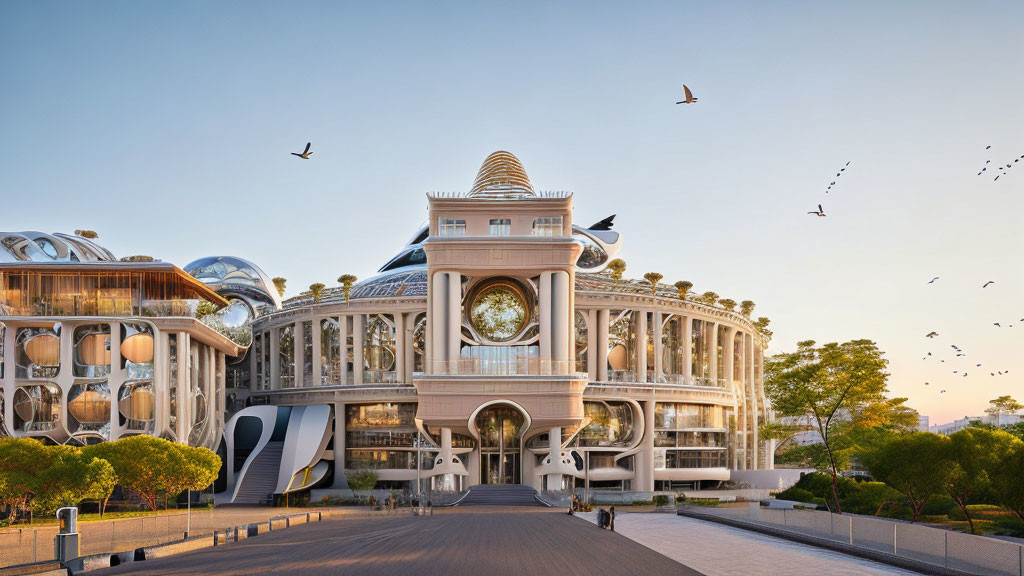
(602,345)
(641,348)
(687,349)
(752,400)
(713,353)
(644,459)
(591,345)
(727,355)
(454,328)
(560,319)
(399,319)
(318,369)
(555,453)
(343,348)
(340,480)
(446,446)
(184,392)
(114,381)
(545,315)
(438,318)
(299,353)
(358,333)
(659,360)
(253,373)
(275,357)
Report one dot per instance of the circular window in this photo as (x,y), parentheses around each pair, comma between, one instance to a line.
(499,311)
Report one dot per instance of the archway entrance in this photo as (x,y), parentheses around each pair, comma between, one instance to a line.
(500,429)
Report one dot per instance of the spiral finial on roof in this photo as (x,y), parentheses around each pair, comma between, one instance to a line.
(502,176)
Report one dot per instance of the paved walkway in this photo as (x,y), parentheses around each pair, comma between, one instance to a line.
(717,550)
(471,541)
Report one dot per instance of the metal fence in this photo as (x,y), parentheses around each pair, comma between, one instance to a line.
(955,550)
(29,544)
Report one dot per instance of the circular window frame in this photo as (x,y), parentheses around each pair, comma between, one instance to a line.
(487,285)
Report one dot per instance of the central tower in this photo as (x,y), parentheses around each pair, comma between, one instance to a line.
(500,265)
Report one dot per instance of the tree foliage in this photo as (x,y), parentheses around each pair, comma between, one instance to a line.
(709,298)
(362,480)
(728,304)
(653,278)
(832,386)
(617,268)
(347,281)
(917,465)
(316,290)
(54,476)
(87,234)
(976,453)
(1008,480)
(280,283)
(683,288)
(1003,405)
(747,307)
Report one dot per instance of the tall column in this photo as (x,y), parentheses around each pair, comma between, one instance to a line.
(438,318)
(115,380)
(358,332)
(688,349)
(644,459)
(728,360)
(253,373)
(713,352)
(659,361)
(602,345)
(591,345)
(555,453)
(340,480)
(560,316)
(184,393)
(318,369)
(641,347)
(275,357)
(446,446)
(343,348)
(751,394)
(545,315)
(399,318)
(299,349)
(454,316)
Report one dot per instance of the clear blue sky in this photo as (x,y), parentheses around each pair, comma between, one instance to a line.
(166,127)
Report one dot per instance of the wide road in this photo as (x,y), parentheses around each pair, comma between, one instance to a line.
(472,541)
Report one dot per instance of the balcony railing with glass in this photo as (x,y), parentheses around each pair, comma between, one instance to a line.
(380,377)
(505,367)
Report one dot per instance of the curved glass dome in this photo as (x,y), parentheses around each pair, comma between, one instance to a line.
(502,176)
(229,275)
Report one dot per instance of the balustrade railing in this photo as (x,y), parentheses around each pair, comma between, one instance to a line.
(504,367)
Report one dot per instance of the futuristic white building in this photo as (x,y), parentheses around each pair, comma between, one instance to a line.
(494,348)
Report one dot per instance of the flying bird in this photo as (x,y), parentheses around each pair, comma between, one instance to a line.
(942,392)
(931,335)
(997,324)
(985,285)
(687,96)
(305,153)
(820,212)
(987,147)
(932,281)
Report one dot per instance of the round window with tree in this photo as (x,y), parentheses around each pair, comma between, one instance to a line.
(499,310)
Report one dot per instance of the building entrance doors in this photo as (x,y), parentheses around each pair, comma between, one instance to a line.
(500,429)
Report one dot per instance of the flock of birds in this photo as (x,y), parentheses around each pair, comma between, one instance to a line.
(959,352)
(821,211)
(1003,169)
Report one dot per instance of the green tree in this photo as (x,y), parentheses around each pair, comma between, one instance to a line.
(831,385)
(762,327)
(144,465)
(279,283)
(653,278)
(56,475)
(1003,405)
(708,298)
(683,288)
(205,309)
(316,290)
(728,304)
(363,480)
(915,464)
(747,307)
(1008,480)
(87,234)
(976,454)
(617,267)
(189,468)
(347,281)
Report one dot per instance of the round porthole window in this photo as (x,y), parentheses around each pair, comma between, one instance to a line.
(499,311)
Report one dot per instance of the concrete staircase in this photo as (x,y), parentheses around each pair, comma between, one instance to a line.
(500,495)
(260,479)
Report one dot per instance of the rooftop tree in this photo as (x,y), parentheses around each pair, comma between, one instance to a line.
(709,298)
(316,290)
(347,281)
(747,307)
(728,304)
(683,288)
(87,234)
(835,386)
(653,278)
(617,268)
(279,283)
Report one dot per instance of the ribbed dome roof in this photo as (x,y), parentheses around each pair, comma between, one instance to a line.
(502,176)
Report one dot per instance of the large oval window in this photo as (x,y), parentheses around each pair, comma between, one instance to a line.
(499,311)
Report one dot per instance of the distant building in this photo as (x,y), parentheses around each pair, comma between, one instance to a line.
(922,423)
(966,422)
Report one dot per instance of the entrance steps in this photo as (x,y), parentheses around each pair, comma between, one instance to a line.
(500,495)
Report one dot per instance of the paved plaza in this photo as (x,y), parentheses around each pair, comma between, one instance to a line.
(522,541)
(717,550)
